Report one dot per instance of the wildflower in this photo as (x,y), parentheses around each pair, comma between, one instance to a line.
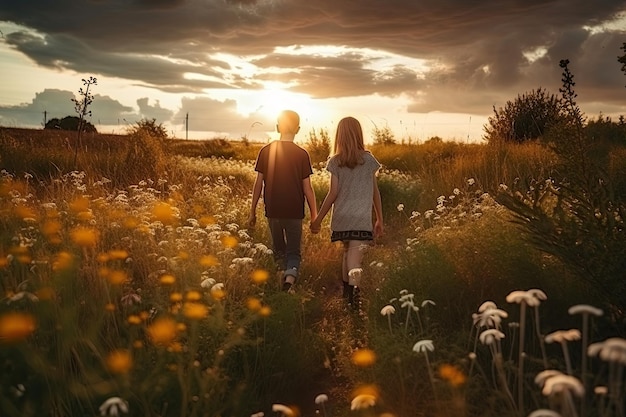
(362,401)
(284,410)
(400,207)
(84,236)
(193,296)
(133,319)
(167,279)
(208,261)
(471,181)
(207,283)
(217,291)
(79,204)
(452,374)
(110,307)
(164,213)
(561,383)
(426,302)
(176,297)
(491,336)
(113,406)
(388,310)
(253,304)
(265,311)
(195,311)
(117,277)
(561,336)
(585,309)
(229,242)
(162,331)
(544,412)
(424,346)
(363,357)
(15,326)
(321,399)
(119,361)
(23,295)
(130,299)
(118,254)
(259,276)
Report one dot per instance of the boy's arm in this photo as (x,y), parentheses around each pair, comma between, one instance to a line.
(309,194)
(330,198)
(378,210)
(256,194)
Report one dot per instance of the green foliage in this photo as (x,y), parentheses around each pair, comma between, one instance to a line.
(576,215)
(70,123)
(527,117)
(383,136)
(318,146)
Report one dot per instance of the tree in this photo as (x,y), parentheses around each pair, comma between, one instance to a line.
(69,123)
(528,117)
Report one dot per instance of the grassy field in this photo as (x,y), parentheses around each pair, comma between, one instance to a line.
(130,285)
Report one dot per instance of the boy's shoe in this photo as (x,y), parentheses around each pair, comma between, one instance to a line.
(288,280)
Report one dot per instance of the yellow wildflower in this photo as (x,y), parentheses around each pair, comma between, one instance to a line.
(209,261)
(117,277)
(229,241)
(79,204)
(84,236)
(193,296)
(119,361)
(62,261)
(164,213)
(167,279)
(265,311)
(452,374)
(176,297)
(134,319)
(253,304)
(259,276)
(162,331)
(363,357)
(15,326)
(195,311)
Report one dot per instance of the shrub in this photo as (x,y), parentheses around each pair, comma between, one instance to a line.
(527,117)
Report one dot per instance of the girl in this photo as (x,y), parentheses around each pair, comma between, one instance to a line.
(352,194)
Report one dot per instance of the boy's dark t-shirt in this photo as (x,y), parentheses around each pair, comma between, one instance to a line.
(284,165)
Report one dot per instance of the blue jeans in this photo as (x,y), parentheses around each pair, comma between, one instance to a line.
(286,239)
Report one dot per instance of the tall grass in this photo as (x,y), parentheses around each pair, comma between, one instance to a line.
(148,296)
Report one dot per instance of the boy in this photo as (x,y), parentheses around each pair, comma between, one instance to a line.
(283,174)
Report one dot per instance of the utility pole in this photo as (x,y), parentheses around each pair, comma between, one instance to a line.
(187,126)
(45,118)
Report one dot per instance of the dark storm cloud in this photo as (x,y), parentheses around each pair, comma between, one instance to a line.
(476,49)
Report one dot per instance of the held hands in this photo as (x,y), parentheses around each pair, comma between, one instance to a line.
(316,225)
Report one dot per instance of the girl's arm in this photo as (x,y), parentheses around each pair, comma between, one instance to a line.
(330,198)
(378,210)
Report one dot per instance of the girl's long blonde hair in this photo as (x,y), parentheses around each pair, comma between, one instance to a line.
(349,145)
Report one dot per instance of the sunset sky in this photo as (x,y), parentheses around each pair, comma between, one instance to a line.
(420,67)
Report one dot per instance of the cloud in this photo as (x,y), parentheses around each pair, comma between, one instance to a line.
(474,54)
(206,114)
(54,103)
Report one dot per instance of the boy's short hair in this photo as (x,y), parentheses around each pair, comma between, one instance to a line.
(288,121)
